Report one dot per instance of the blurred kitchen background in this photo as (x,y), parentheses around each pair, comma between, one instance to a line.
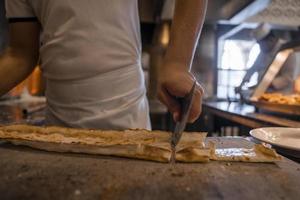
(247,60)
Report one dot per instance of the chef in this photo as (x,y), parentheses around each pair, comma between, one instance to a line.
(90,56)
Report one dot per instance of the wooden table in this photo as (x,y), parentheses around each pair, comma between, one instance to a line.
(32,174)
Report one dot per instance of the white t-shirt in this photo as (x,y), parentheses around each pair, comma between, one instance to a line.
(91,60)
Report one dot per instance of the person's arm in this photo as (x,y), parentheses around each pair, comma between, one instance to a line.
(175,78)
(18,60)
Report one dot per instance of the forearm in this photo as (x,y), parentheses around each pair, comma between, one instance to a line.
(186,27)
(175,79)
(15,66)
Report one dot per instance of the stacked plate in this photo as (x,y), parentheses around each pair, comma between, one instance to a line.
(285,140)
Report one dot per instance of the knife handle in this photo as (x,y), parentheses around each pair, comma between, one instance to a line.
(186,102)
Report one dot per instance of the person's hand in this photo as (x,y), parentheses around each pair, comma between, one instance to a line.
(175,82)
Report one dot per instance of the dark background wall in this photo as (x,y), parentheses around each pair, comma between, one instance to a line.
(3,26)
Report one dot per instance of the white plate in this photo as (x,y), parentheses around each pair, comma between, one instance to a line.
(288,138)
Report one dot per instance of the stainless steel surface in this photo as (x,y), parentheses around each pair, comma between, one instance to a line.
(261,31)
(13,113)
(186,104)
(221,9)
(32,109)
(279,12)
(245,115)
(250,10)
(271,73)
(276,107)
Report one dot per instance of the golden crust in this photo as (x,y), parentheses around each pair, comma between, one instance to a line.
(141,144)
(259,153)
(293,99)
(191,154)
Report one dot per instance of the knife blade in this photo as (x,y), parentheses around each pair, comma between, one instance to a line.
(186,104)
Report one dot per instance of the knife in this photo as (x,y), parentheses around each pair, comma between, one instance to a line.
(186,104)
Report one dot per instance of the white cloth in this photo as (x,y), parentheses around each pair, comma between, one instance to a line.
(91,60)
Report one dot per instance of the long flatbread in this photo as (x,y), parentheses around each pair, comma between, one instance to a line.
(140,144)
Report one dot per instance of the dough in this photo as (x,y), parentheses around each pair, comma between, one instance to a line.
(140,144)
